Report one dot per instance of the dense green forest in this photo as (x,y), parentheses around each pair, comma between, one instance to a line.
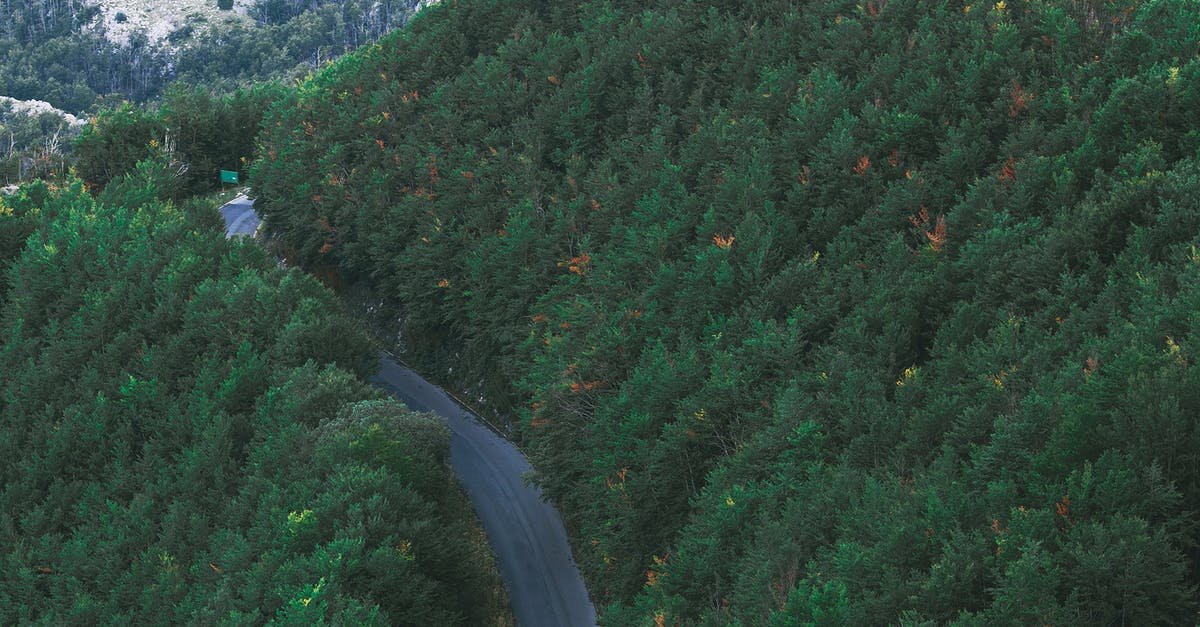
(806,312)
(199,132)
(185,436)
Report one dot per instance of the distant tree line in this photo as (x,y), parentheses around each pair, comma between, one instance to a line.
(34,145)
(51,50)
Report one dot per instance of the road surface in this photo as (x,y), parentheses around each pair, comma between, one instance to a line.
(526,532)
(240,218)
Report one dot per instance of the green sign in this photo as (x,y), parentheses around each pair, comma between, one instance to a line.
(228,177)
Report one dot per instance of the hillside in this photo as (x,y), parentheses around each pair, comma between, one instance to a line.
(83,55)
(805,312)
(118,19)
(185,436)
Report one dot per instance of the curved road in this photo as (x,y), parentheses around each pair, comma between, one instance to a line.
(240,218)
(526,532)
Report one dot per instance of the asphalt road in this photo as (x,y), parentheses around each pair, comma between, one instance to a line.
(240,218)
(526,532)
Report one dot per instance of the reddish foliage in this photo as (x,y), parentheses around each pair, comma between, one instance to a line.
(1019,100)
(864,162)
(937,237)
(1063,507)
(1009,171)
(578,264)
(921,220)
(433,170)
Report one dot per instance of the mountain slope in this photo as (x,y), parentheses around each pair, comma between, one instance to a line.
(804,312)
(184,436)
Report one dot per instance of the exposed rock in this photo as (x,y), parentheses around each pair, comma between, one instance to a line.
(35,107)
(160,19)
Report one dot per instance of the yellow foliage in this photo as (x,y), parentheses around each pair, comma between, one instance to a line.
(295,519)
(1174,350)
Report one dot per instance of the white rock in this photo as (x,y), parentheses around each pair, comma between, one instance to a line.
(35,107)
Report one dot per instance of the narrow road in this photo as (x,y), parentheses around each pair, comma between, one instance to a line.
(240,218)
(526,532)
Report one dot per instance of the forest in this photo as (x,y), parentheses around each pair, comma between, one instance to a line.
(806,312)
(187,437)
(57,51)
(194,130)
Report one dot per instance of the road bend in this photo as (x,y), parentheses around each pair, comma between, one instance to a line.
(526,532)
